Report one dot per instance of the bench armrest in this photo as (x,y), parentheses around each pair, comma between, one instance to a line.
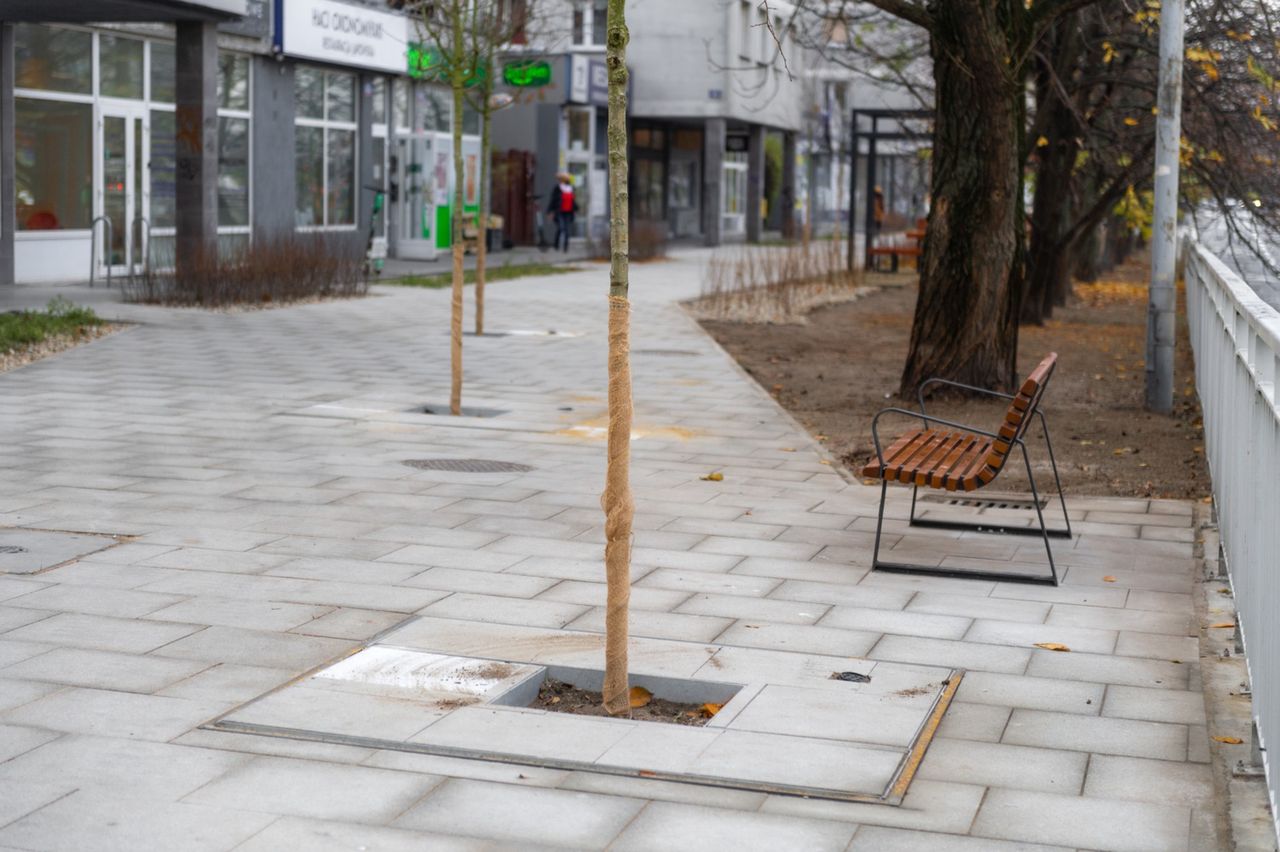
(961,385)
(927,418)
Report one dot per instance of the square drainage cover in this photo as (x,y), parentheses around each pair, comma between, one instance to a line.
(32,551)
(849,739)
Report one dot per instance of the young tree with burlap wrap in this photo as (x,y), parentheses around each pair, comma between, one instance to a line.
(617,500)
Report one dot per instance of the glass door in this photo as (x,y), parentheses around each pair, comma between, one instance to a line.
(122,187)
(415,237)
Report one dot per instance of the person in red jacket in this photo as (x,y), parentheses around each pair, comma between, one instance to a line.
(563,206)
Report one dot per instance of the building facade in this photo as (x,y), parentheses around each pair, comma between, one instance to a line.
(270,118)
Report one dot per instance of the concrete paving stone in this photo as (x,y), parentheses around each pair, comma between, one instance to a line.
(841,595)
(885,719)
(689,582)
(429,556)
(782,759)
(1158,781)
(1198,744)
(1158,646)
(100,632)
(746,607)
(658,625)
(13,587)
(316,706)
(338,548)
(898,623)
(526,732)
(504,610)
(683,560)
(228,683)
(946,652)
(317,835)
(1100,668)
(254,744)
(255,648)
(745,529)
(662,791)
(928,806)
(1021,634)
(803,638)
(979,722)
(310,789)
(1154,705)
(1110,516)
(208,538)
(226,561)
(819,571)
(12,616)
(670,826)
(524,545)
(228,612)
(108,713)
(481,582)
(345,570)
(871,838)
(351,623)
(1033,693)
(1143,621)
(316,524)
(659,748)
(1002,765)
(552,529)
(1164,533)
(1098,734)
(125,767)
(478,770)
(19,799)
(731,546)
(1082,822)
(1160,601)
(522,815)
(103,670)
(432,536)
(596,594)
(1083,595)
(107,574)
(973,606)
(13,652)
(587,571)
(16,740)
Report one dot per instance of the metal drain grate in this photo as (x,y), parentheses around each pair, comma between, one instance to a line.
(671,353)
(983,503)
(13,548)
(469,465)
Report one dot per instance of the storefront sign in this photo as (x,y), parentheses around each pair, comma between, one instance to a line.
(256,22)
(527,75)
(343,34)
(589,81)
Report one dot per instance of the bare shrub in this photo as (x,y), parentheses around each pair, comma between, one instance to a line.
(284,268)
(647,239)
(777,284)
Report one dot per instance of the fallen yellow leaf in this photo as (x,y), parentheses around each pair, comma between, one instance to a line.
(1052,646)
(1131,122)
(1224,624)
(714,477)
(710,710)
(1042,141)
(1108,579)
(640,696)
(1228,740)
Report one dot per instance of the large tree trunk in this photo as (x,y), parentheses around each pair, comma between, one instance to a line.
(966,317)
(617,500)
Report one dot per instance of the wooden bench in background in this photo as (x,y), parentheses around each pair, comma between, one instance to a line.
(961,458)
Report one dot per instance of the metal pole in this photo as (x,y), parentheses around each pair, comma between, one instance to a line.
(1164,248)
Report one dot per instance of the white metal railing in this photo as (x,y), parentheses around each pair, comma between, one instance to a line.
(1236,338)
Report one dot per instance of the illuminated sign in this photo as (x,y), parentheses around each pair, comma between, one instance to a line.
(527,75)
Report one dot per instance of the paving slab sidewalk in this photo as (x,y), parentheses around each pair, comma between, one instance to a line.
(256,460)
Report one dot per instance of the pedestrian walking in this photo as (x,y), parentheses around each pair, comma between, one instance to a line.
(563,206)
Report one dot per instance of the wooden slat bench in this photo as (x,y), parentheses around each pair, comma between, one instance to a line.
(893,252)
(953,457)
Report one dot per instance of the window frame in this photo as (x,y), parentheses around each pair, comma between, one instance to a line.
(326,125)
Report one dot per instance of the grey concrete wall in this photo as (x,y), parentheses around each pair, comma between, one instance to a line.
(713,140)
(196,114)
(8,190)
(274,190)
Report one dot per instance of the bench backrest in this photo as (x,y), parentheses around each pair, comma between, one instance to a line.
(1021,409)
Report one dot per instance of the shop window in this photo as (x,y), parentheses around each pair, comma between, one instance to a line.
(378,100)
(164,201)
(470,120)
(164,72)
(53,159)
(326,148)
(120,67)
(233,81)
(433,108)
(53,59)
(233,171)
(590,21)
(400,103)
(578,122)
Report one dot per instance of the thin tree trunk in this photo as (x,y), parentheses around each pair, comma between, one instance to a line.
(457,78)
(482,246)
(966,318)
(617,501)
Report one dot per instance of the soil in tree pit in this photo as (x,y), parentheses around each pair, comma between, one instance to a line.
(841,367)
(560,697)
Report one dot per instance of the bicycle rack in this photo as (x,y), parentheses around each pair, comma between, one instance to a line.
(146,246)
(93,247)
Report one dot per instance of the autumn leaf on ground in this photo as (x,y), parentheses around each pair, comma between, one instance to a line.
(1108,579)
(1224,624)
(640,696)
(710,710)
(1228,740)
(1052,646)
(713,477)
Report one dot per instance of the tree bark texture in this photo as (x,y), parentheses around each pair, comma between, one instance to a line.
(617,500)
(966,318)
(457,76)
